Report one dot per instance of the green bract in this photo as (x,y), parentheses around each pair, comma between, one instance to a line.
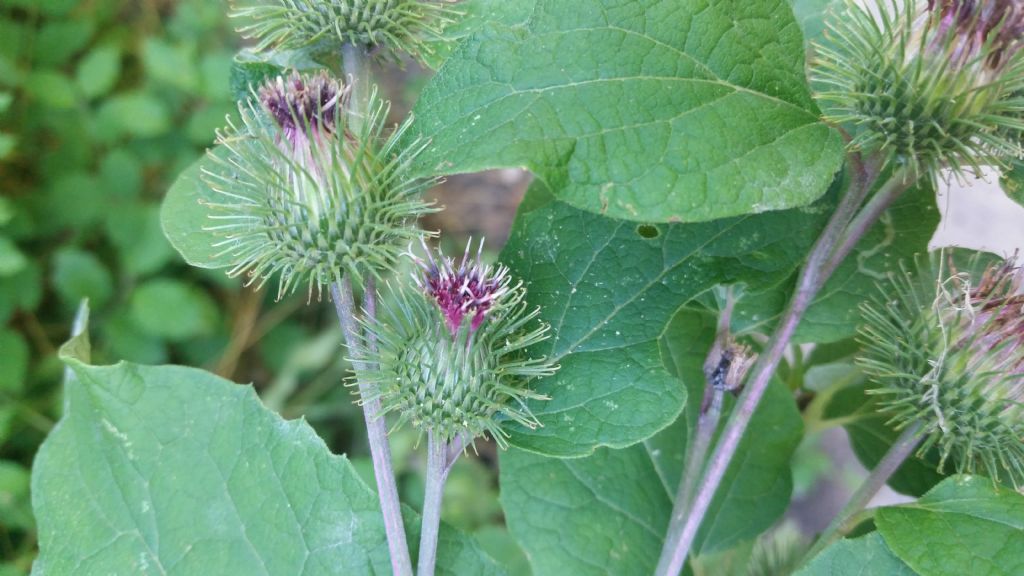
(936,85)
(452,353)
(399,26)
(302,195)
(948,354)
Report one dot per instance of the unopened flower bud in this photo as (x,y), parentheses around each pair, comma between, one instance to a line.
(949,354)
(453,352)
(397,26)
(934,84)
(304,197)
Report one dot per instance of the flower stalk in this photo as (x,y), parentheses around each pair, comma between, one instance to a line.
(724,370)
(376,427)
(898,453)
(440,458)
(816,271)
(355,65)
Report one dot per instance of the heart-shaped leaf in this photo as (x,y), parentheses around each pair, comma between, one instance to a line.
(172,470)
(650,110)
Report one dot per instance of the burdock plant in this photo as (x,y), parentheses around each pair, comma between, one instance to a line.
(453,349)
(944,351)
(312,190)
(454,361)
(947,360)
(629,108)
(938,85)
(919,89)
(306,198)
(394,27)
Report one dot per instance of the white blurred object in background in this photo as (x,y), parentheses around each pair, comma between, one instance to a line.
(978,215)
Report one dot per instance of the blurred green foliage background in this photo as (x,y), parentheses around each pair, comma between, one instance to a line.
(102,104)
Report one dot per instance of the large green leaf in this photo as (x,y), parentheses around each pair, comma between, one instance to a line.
(651,110)
(607,513)
(867,556)
(609,288)
(965,525)
(171,470)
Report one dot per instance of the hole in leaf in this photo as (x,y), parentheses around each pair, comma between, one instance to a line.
(648,231)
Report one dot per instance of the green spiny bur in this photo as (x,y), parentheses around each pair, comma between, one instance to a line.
(397,26)
(947,352)
(453,352)
(936,90)
(305,197)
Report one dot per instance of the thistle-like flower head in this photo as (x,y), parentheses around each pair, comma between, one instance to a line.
(305,197)
(395,26)
(454,351)
(935,84)
(949,354)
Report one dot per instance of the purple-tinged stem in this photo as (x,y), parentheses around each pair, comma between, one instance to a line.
(376,428)
(440,457)
(355,62)
(893,459)
(707,423)
(679,539)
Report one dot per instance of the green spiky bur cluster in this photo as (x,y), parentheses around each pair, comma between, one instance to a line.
(457,369)
(398,26)
(949,354)
(937,85)
(304,197)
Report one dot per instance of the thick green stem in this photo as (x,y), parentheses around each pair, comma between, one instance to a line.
(439,462)
(815,272)
(376,430)
(893,459)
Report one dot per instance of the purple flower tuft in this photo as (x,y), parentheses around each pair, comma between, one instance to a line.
(469,291)
(305,107)
(975,27)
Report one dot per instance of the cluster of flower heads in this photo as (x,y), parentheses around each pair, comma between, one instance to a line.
(934,85)
(395,26)
(303,196)
(949,355)
(454,351)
